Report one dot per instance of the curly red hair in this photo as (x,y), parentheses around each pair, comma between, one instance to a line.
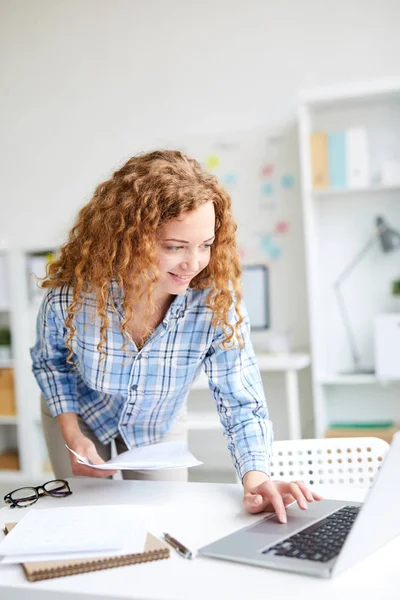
(114,238)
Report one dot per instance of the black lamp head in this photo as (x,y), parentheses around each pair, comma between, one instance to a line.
(388,237)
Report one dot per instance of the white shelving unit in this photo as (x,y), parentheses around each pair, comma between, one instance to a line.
(337,224)
(10,433)
(22,431)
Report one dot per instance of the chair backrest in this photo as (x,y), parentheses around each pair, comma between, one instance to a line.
(349,461)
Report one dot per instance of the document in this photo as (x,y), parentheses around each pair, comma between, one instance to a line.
(166,455)
(77,532)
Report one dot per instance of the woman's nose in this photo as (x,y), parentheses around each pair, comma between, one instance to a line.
(191,263)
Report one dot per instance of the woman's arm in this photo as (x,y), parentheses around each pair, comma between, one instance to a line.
(236,384)
(54,375)
(57,380)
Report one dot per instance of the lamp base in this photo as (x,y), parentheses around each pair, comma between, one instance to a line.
(359,371)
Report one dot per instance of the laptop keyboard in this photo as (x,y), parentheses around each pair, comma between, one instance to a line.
(321,541)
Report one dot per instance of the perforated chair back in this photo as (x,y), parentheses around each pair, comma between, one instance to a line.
(349,461)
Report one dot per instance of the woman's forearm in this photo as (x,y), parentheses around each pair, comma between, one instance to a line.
(68,423)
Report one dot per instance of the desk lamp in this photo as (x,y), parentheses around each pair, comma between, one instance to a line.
(389,240)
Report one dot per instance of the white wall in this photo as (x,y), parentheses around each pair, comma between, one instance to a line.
(87,83)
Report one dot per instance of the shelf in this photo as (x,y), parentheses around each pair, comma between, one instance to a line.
(8,419)
(338,222)
(11,476)
(373,189)
(6,363)
(345,93)
(355,380)
(19,477)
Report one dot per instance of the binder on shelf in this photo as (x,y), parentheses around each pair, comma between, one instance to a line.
(7,393)
(319,159)
(9,460)
(337,159)
(154,549)
(357,158)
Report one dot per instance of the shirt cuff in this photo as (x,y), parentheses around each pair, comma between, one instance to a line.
(60,405)
(255,462)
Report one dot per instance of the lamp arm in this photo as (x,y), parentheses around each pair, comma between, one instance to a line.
(360,255)
(342,307)
(348,329)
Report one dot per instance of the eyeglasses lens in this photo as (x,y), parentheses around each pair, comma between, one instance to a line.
(24,496)
(57,488)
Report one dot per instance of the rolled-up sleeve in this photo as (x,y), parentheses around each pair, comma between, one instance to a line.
(53,374)
(236,385)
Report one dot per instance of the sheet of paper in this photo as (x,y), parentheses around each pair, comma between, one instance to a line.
(166,455)
(77,532)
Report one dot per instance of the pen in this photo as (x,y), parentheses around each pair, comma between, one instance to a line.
(180,548)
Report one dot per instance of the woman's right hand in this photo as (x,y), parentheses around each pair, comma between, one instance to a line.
(80,444)
(86,448)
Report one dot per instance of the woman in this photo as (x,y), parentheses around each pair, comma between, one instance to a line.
(144,293)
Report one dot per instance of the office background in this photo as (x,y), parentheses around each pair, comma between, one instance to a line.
(85,84)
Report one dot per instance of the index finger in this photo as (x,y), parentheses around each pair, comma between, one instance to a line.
(275,498)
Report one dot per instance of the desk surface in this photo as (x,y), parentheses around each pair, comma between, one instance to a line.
(198,513)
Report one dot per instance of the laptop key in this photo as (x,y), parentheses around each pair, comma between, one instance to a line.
(320,542)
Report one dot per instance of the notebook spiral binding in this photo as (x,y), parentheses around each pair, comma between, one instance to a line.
(96,565)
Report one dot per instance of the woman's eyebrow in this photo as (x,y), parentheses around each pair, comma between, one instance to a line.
(186,242)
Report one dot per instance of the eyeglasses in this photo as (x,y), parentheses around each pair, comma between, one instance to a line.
(57,488)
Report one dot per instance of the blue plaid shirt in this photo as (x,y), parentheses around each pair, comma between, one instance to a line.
(139,394)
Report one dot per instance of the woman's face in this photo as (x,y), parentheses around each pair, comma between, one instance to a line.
(184,249)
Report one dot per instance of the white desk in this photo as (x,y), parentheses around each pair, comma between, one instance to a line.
(197,513)
(289,364)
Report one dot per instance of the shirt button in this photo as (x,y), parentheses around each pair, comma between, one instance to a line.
(134,387)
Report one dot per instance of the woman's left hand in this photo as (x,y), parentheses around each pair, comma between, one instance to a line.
(271,495)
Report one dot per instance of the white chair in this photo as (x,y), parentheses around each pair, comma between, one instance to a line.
(348,461)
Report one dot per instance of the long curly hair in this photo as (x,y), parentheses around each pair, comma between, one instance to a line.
(114,239)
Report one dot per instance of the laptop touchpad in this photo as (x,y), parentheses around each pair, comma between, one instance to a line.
(270,530)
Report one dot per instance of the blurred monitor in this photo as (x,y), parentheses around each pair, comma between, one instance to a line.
(255,287)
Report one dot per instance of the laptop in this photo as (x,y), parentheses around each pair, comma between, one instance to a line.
(326,539)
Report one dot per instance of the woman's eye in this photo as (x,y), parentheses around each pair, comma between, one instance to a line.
(174,248)
(207,246)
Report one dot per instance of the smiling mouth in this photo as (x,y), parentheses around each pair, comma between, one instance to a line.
(182,277)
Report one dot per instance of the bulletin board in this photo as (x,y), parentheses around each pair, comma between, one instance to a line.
(259,171)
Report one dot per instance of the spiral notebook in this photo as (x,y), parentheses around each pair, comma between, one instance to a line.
(154,549)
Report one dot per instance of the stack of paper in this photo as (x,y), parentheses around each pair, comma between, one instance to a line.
(167,455)
(76,532)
